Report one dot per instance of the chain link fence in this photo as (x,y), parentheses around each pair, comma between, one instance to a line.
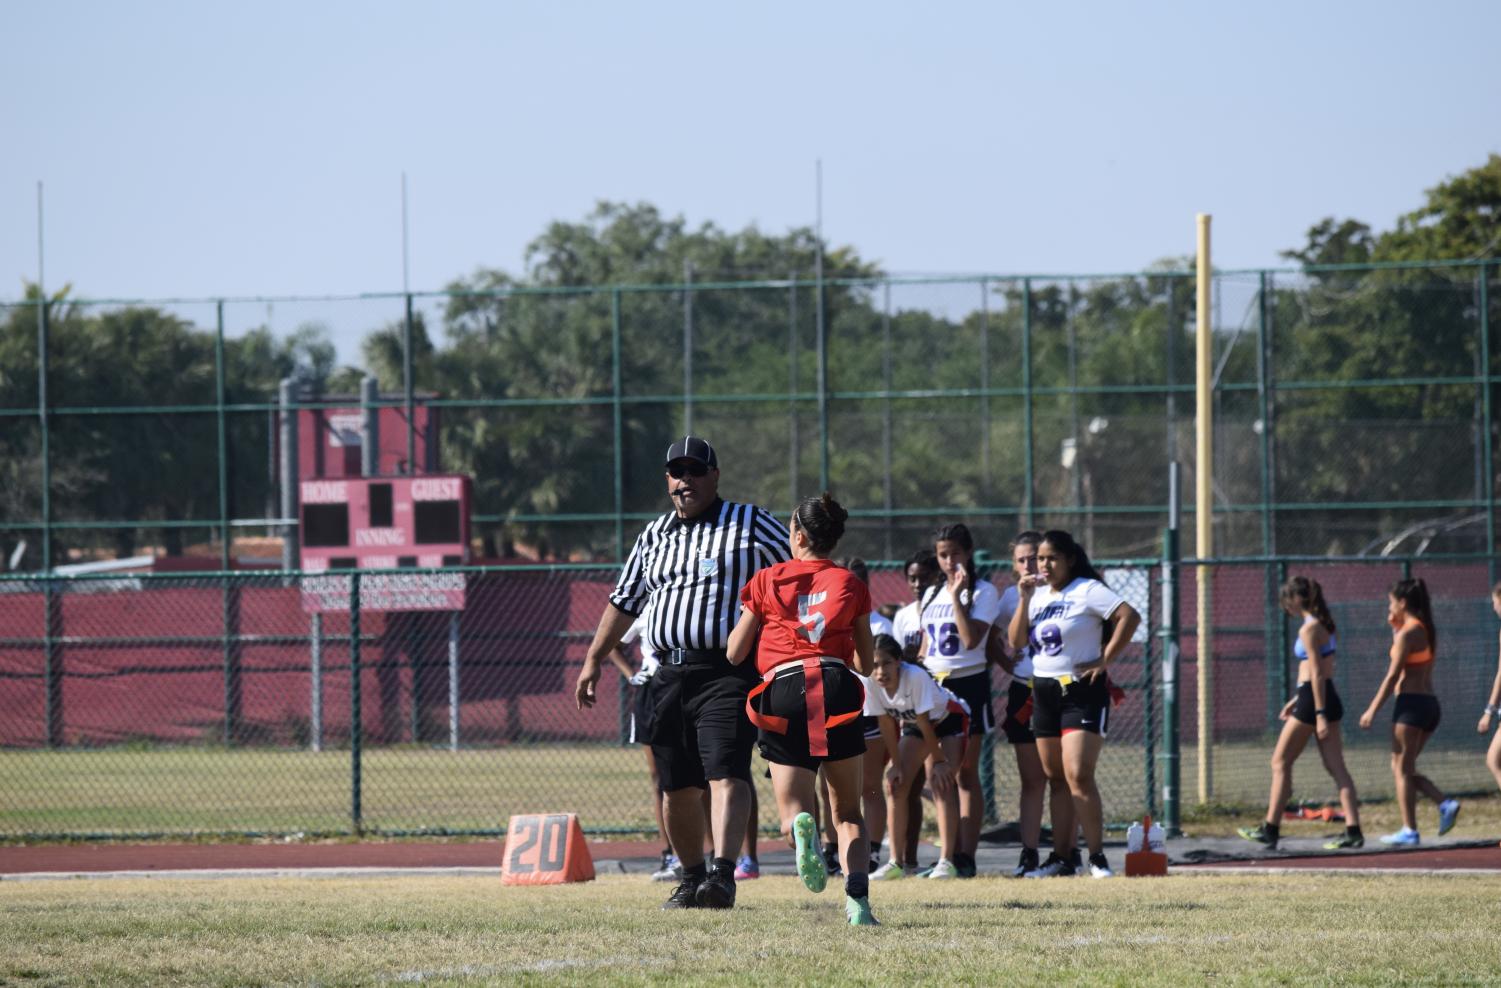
(145,704)
(1255,673)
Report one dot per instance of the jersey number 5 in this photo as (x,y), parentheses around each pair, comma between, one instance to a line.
(813,622)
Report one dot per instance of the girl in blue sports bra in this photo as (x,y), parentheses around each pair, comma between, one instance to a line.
(1314,711)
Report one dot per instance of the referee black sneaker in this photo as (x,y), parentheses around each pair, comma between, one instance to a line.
(717,891)
(685,896)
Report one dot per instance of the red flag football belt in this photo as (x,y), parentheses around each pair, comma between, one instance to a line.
(819,723)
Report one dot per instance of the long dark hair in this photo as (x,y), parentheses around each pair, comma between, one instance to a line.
(958,533)
(1078,560)
(1414,594)
(1308,595)
(822,520)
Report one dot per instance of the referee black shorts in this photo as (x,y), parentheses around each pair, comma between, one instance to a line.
(698,729)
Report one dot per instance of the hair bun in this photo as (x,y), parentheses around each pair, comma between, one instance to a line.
(835,510)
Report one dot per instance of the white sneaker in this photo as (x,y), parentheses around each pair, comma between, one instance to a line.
(944,869)
(1402,838)
(1099,867)
(669,872)
(888,872)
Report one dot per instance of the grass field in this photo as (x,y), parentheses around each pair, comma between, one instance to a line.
(1397,930)
(208,790)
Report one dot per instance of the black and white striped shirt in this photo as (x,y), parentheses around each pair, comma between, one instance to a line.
(691,571)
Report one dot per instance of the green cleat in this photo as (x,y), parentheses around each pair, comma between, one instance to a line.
(810,863)
(858,911)
(1344,842)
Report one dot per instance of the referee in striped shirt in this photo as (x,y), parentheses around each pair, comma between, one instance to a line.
(689,566)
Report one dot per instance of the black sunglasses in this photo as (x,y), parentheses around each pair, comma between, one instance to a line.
(691,468)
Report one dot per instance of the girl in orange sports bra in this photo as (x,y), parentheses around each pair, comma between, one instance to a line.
(1415,715)
(1314,711)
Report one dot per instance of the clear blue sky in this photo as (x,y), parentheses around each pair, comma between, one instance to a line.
(197,149)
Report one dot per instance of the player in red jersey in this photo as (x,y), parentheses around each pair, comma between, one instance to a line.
(812,617)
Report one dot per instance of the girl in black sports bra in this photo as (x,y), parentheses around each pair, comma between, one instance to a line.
(1314,711)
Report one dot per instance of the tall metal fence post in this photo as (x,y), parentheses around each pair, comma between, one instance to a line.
(794,437)
(315,704)
(41,402)
(1171,753)
(52,663)
(1028,508)
(687,346)
(985,392)
(223,439)
(617,424)
(453,681)
(1171,739)
(1270,608)
(233,674)
(356,727)
(888,502)
(407,386)
(369,426)
(1488,412)
(286,398)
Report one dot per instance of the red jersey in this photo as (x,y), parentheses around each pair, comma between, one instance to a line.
(808,608)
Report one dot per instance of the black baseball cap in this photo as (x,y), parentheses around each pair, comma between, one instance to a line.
(693,448)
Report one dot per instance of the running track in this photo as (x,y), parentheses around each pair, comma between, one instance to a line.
(84,859)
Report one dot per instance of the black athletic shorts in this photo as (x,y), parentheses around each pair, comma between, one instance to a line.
(842,693)
(696,723)
(1081,706)
(1017,695)
(1417,709)
(1303,708)
(871,726)
(975,691)
(951,725)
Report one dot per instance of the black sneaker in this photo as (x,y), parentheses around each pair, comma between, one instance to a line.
(965,866)
(831,859)
(1027,862)
(1099,866)
(1053,867)
(685,896)
(717,891)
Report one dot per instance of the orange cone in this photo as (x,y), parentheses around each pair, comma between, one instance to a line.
(545,849)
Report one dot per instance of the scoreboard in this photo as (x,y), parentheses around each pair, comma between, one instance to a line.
(385,523)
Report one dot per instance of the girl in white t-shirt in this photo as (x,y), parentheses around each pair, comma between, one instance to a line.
(1017,725)
(921,724)
(1075,627)
(956,620)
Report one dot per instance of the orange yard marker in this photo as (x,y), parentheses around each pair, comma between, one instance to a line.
(545,849)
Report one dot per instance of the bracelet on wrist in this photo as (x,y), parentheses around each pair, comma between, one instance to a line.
(1321,713)
(1493,711)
